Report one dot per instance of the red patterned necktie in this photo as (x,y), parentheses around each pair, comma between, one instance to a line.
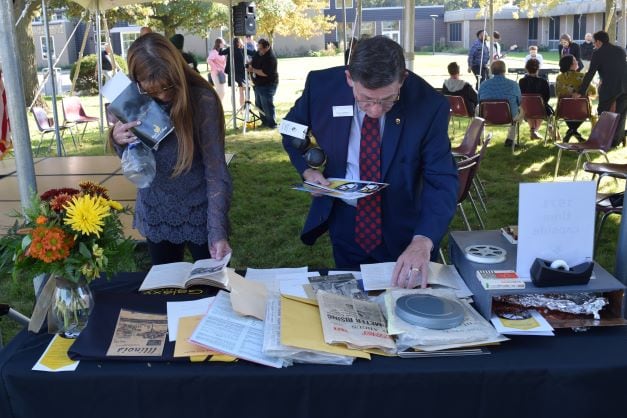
(368,219)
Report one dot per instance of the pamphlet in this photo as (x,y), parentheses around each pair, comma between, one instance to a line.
(128,105)
(209,272)
(138,334)
(533,324)
(55,358)
(340,284)
(343,188)
(356,323)
(499,279)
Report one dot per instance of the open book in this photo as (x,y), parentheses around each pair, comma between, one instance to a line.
(182,275)
(343,188)
(129,104)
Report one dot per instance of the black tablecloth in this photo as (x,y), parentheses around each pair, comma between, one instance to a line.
(571,375)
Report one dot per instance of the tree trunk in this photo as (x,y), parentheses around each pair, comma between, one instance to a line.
(26,48)
(610,19)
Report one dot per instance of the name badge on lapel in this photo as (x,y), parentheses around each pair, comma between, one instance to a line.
(342,111)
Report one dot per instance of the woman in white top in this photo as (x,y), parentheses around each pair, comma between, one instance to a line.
(217,63)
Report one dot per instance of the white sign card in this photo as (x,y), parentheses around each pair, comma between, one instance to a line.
(555,222)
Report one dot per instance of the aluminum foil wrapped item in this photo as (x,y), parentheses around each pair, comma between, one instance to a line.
(572,303)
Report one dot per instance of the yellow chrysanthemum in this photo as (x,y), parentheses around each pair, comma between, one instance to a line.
(85,214)
(115,205)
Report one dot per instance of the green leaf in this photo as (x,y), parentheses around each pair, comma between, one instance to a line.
(82,248)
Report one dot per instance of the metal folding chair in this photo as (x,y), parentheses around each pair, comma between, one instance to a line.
(534,108)
(498,113)
(570,109)
(599,141)
(45,125)
(458,109)
(74,114)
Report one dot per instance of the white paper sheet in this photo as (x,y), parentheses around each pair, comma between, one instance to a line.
(225,331)
(555,221)
(177,310)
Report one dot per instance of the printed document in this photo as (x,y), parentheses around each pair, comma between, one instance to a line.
(55,358)
(177,310)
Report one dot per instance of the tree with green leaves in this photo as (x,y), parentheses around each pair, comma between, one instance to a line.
(302,18)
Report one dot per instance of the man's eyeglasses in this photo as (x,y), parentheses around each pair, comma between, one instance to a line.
(384,103)
(153,92)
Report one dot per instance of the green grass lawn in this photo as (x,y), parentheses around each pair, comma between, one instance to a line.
(266,215)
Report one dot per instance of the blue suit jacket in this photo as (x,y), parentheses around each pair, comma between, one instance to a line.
(416,157)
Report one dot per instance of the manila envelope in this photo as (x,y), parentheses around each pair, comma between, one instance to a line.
(248,298)
(184,348)
(301,327)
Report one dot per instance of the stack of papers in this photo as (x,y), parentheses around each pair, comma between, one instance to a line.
(535,324)
(342,188)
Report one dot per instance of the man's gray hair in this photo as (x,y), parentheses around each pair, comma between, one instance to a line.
(377,62)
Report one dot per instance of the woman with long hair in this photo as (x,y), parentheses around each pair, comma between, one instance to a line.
(217,63)
(187,203)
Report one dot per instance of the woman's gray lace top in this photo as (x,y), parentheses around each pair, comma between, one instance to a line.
(193,206)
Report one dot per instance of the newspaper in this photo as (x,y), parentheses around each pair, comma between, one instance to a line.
(138,334)
(357,323)
(341,284)
(474,330)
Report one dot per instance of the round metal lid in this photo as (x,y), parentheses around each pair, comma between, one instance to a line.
(429,311)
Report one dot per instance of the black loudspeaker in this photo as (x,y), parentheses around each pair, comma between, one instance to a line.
(244,19)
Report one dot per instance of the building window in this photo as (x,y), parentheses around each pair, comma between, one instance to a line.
(455,32)
(127,39)
(57,15)
(579,27)
(532,32)
(338,4)
(340,31)
(554,32)
(368,28)
(44,49)
(391,29)
(375,4)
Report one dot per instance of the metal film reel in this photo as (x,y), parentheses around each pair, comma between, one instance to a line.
(485,254)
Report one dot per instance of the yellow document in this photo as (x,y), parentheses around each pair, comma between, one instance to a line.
(55,358)
(301,327)
(183,348)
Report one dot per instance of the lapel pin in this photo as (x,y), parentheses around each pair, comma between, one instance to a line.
(398,121)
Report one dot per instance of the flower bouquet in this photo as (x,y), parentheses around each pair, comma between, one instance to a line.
(73,236)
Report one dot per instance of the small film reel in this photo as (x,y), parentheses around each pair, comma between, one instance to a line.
(485,254)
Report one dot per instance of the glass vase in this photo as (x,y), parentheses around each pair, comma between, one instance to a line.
(71,304)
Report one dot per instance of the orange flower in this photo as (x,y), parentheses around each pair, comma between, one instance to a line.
(41,220)
(50,244)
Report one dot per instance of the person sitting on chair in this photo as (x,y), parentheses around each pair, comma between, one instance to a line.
(568,82)
(501,88)
(454,86)
(532,84)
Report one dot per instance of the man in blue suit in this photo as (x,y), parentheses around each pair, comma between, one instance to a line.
(376,98)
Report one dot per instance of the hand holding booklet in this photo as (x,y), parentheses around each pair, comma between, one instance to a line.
(209,272)
(343,188)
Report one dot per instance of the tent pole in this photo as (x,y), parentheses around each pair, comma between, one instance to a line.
(80,54)
(16,104)
(99,58)
(409,21)
(232,66)
(53,81)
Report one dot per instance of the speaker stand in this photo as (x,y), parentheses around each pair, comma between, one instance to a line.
(245,113)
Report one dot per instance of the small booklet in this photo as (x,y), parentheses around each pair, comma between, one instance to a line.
(532,324)
(128,104)
(343,188)
(209,272)
(499,279)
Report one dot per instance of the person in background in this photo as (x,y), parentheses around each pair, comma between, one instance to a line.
(251,45)
(187,203)
(533,53)
(178,40)
(263,68)
(532,84)
(497,53)
(587,48)
(568,47)
(609,61)
(382,123)
(455,86)
(107,61)
(478,57)
(217,63)
(501,88)
(5,133)
(567,83)
(239,61)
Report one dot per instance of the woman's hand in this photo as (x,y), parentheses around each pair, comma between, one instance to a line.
(122,134)
(219,249)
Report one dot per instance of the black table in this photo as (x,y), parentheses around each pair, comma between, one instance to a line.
(570,375)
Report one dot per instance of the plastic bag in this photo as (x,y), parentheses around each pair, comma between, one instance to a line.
(138,164)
